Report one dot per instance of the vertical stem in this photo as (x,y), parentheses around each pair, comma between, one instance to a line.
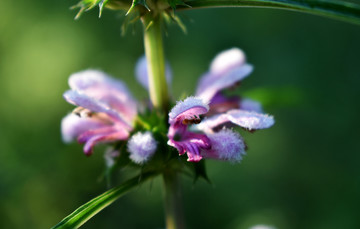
(154,51)
(172,198)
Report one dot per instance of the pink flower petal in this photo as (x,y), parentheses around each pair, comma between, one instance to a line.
(226,145)
(246,119)
(93,105)
(105,137)
(191,143)
(250,120)
(213,84)
(99,86)
(87,135)
(72,126)
(227,68)
(187,109)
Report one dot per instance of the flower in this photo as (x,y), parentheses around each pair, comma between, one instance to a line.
(184,113)
(105,110)
(226,70)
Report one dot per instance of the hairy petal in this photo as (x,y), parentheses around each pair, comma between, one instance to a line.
(87,135)
(211,84)
(99,86)
(109,136)
(250,120)
(187,109)
(82,100)
(227,68)
(142,147)
(142,76)
(226,145)
(247,119)
(72,126)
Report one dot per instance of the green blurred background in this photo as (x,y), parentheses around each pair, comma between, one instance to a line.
(302,173)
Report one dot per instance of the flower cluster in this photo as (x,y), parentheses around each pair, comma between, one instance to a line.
(226,70)
(105,112)
(198,126)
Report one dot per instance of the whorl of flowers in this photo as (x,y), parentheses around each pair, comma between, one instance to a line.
(200,125)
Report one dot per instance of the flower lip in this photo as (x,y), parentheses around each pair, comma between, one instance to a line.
(249,120)
(94,82)
(187,111)
(210,84)
(82,100)
(227,145)
(192,144)
(104,137)
(227,68)
(99,86)
(72,126)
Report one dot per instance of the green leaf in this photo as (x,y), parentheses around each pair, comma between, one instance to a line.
(102,6)
(91,208)
(337,9)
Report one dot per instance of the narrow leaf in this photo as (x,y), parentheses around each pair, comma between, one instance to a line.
(101,6)
(337,9)
(138,2)
(91,208)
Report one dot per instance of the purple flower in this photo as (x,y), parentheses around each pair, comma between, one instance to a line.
(105,110)
(184,113)
(227,69)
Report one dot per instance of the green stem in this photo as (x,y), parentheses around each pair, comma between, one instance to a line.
(173,201)
(154,51)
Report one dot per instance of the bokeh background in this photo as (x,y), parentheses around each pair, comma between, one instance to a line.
(302,173)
